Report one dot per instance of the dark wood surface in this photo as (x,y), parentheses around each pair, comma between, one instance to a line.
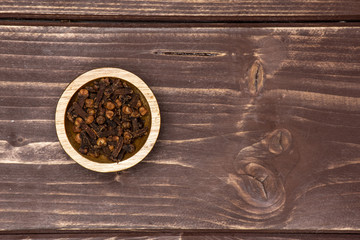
(167,10)
(260,130)
(260,108)
(185,236)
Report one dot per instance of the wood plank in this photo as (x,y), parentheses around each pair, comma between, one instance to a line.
(98,236)
(230,155)
(184,236)
(196,10)
(266,236)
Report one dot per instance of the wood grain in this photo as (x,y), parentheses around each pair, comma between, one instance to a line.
(284,157)
(185,236)
(194,10)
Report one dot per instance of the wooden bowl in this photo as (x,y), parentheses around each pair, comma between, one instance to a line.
(102,164)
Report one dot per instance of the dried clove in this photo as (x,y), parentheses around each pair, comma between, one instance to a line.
(118,148)
(135,124)
(134,100)
(107,116)
(79,110)
(142,111)
(139,132)
(82,95)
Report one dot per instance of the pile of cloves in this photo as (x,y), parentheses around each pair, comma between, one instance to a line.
(107,116)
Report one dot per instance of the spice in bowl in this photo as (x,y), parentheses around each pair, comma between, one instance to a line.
(108,119)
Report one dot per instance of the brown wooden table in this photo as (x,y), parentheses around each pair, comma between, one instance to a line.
(260,107)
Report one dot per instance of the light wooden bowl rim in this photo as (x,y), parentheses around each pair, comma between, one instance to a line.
(81,81)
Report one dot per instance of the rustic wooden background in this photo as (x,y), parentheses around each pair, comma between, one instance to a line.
(187,10)
(260,133)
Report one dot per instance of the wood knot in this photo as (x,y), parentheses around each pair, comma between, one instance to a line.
(258,186)
(278,141)
(16,140)
(256,78)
